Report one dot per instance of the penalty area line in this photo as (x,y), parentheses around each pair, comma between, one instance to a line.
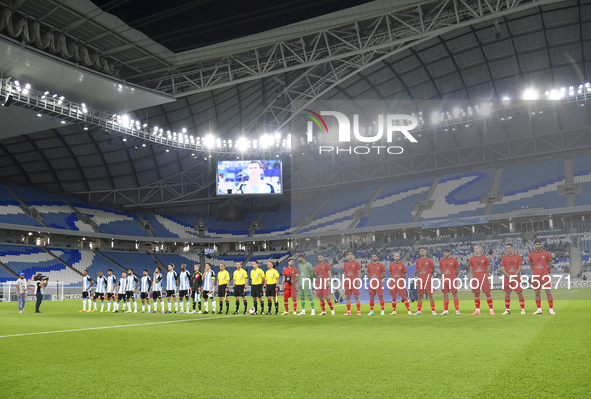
(120,326)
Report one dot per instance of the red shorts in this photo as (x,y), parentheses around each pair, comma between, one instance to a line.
(541,282)
(448,286)
(515,285)
(483,283)
(424,286)
(351,291)
(291,292)
(376,291)
(323,292)
(399,291)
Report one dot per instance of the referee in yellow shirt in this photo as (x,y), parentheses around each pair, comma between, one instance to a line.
(239,278)
(256,290)
(271,277)
(222,288)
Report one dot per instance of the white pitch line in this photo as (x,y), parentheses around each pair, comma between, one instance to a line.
(121,326)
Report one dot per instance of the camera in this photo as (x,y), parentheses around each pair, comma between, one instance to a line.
(40,277)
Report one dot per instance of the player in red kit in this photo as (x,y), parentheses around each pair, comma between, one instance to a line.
(352,271)
(450,267)
(322,273)
(376,273)
(480,268)
(540,262)
(511,268)
(398,282)
(289,287)
(425,269)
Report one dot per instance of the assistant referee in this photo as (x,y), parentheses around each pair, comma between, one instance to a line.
(271,277)
(239,278)
(222,288)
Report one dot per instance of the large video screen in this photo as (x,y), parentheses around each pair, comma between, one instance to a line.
(249,177)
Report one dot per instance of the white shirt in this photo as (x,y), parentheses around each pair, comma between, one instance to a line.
(185,283)
(171,278)
(22,285)
(157,283)
(86,281)
(145,284)
(122,284)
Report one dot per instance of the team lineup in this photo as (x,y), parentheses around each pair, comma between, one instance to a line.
(197,289)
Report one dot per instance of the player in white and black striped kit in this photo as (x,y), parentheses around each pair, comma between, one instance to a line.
(145,283)
(132,286)
(86,284)
(172,279)
(185,287)
(122,285)
(101,289)
(207,288)
(111,284)
(157,290)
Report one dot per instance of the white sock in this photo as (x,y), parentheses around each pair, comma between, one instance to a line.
(109,306)
(206,304)
(176,306)
(169,306)
(135,306)
(84,304)
(102,305)
(213,305)
(148,307)
(143,307)
(161,304)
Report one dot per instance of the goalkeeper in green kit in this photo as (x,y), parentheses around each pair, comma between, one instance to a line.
(305,283)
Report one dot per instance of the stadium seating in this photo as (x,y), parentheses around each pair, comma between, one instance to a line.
(138,261)
(458,195)
(110,221)
(33,260)
(582,175)
(531,185)
(276,223)
(10,211)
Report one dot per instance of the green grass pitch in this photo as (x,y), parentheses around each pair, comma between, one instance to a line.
(187,356)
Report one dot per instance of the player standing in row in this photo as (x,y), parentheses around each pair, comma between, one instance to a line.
(197,281)
(239,277)
(425,270)
(145,284)
(207,288)
(289,287)
(172,279)
(157,290)
(86,284)
(352,282)
(398,283)
(271,277)
(132,286)
(305,282)
(101,289)
(257,276)
(480,268)
(511,265)
(376,272)
(185,287)
(322,273)
(111,284)
(449,267)
(540,262)
(222,288)
(122,285)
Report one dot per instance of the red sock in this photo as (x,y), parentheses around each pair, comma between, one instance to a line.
(382,303)
(286,304)
(550,301)
(477,303)
(371,303)
(521,302)
(507,303)
(348,307)
(432,305)
(457,303)
(538,301)
(407,304)
(295,305)
(394,306)
(330,304)
(419,305)
(322,306)
(445,303)
(489,300)
(359,306)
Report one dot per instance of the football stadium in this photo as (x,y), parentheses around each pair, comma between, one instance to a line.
(401,189)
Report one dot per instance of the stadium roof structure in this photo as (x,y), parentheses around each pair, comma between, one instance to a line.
(451,51)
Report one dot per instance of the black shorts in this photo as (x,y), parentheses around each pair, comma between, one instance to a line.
(84,294)
(270,291)
(239,290)
(170,293)
(99,295)
(144,295)
(205,295)
(256,290)
(129,294)
(222,290)
(121,296)
(184,294)
(156,295)
(109,296)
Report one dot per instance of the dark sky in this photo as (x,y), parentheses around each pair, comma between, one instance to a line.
(185,25)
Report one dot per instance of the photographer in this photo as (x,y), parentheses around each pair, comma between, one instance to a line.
(41,282)
(21,290)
